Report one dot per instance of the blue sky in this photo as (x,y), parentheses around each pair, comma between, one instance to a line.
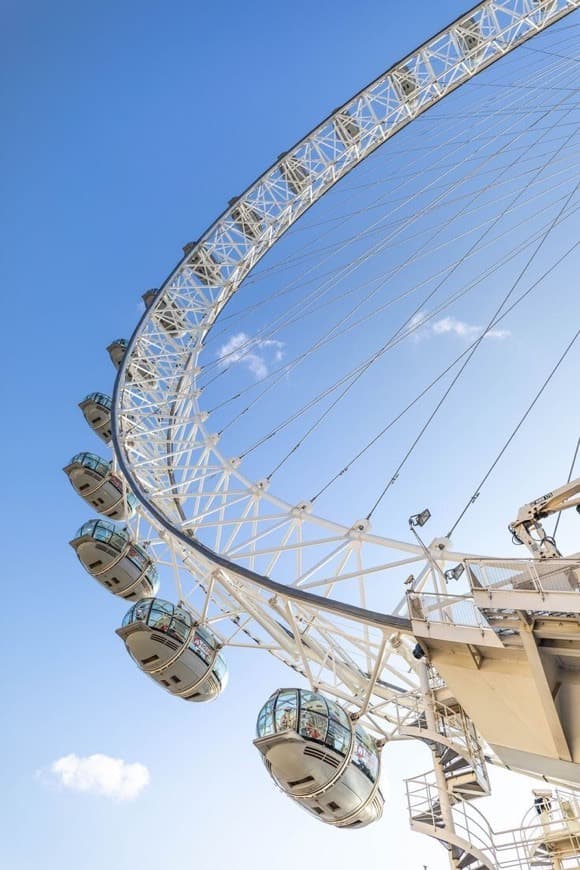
(128,126)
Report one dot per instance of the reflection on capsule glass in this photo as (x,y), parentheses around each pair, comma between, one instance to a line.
(96,408)
(93,479)
(318,756)
(184,658)
(110,555)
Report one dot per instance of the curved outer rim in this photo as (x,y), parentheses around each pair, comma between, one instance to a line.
(504,25)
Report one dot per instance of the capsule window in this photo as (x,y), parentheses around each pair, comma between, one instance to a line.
(318,810)
(303,781)
(333,806)
(95,564)
(165,683)
(149,660)
(175,679)
(313,725)
(286,711)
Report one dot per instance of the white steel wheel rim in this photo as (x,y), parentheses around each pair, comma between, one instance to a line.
(145,416)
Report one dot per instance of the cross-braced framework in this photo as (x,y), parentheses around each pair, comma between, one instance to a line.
(265,573)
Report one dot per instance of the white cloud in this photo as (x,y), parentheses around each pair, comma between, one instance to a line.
(254,353)
(101,774)
(465,330)
(419,328)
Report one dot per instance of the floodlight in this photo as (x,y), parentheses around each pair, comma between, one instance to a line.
(420,519)
(455,573)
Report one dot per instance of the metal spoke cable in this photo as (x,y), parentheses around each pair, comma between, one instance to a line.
(515,431)
(422,252)
(425,320)
(444,145)
(315,296)
(470,356)
(409,320)
(249,309)
(568,479)
(347,189)
(278,374)
(442,374)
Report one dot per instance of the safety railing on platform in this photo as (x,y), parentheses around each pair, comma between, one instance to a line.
(452,724)
(446,609)
(468,823)
(548,837)
(524,575)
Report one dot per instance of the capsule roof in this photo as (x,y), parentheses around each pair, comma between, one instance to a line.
(174,620)
(118,537)
(91,460)
(319,720)
(310,714)
(99,399)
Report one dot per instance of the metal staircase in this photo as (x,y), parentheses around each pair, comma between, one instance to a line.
(438,800)
(469,840)
(509,647)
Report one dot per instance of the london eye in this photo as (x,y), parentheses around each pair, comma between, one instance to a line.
(280,385)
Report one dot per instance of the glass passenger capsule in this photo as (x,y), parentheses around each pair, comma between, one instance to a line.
(110,555)
(117,350)
(205,266)
(167,313)
(346,128)
(469,35)
(166,644)
(140,370)
(248,221)
(93,479)
(294,173)
(96,408)
(319,757)
(406,81)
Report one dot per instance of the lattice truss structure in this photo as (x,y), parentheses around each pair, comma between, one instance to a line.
(264,573)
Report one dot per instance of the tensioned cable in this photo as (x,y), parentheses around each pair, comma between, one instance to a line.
(374,358)
(381,280)
(329,337)
(424,321)
(430,186)
(522,420)
(442,374)
(568,479)
(339,329)
(367,254)
(542,74)
(314,296)
(469,357)
(338,270)
(448,368)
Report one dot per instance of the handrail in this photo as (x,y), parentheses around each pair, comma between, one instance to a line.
(524,575)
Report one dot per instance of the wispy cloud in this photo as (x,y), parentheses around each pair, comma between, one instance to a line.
(256,354)
(421,328)
(101,775)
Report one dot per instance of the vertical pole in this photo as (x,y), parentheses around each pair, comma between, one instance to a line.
(444,802)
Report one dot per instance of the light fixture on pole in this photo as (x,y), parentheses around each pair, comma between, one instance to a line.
(420,519)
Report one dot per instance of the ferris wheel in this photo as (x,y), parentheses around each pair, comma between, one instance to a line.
(372,623)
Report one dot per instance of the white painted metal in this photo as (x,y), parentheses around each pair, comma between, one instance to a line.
(527,528)
(291,582)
